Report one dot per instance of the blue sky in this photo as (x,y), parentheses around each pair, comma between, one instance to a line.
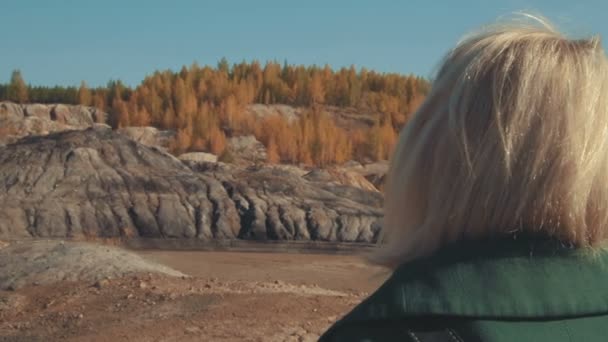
(66,41)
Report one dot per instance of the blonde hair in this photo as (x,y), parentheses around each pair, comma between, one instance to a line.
(513,138)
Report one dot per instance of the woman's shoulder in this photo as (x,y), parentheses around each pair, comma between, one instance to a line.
(499,280)
(412,330)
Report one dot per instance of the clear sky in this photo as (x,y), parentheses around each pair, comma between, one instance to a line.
(66,41)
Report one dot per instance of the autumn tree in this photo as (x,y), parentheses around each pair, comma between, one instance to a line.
(99,100)
(17,89)
(217,141)
(141,118)
(182,141)
(272,152)
(316,89)
(206,105)
(381,139)
(84,94)
(120,112)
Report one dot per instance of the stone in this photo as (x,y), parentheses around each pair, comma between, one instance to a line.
(198,157)
(38,110)
(193,330)
(11,112)
(101,283)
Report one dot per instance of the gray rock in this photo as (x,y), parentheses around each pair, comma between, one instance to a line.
(98,183)
(198,157)
(247,149)
(38,110)
(375,173)
(76,116)
(17,120)
(45,262)
(10,112)
(149,136)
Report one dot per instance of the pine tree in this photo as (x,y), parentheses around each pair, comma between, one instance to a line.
(223,66)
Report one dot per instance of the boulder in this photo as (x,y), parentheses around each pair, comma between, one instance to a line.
(38,110)
(261,111)
(10,112)
(149,136)
(75,116)
(374,173)
(198,157)
(247,149)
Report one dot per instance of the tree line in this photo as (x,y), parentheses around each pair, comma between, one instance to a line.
(206,105)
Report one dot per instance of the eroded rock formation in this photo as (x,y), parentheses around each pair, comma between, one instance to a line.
(98,183)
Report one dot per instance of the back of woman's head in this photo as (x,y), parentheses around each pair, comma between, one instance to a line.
(512,138)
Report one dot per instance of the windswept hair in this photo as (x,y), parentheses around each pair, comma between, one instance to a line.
(512,139)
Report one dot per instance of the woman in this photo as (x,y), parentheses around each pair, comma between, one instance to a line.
(497,199)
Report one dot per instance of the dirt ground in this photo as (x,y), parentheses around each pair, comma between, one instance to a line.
(228,297)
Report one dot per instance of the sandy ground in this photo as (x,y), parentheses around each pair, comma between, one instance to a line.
(338,272)
(229,297)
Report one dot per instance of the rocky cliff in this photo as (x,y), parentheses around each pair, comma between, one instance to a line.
(98,183)
(19,120)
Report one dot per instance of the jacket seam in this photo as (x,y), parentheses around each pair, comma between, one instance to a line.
(565,325)
(413,336)
(454,335)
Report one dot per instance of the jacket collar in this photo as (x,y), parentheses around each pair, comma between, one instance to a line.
(500,279)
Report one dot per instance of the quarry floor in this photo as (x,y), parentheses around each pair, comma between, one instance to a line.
(229,296)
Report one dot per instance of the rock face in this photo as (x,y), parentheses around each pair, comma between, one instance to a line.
(261,111)
(247,149)
(17,120)
(341,176)
(149,136)
(375,173)
(98,183)
(348,118)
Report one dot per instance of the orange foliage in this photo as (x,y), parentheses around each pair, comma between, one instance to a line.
(311,139)
(182,141)
(206,104)
(217,141)
(272,152)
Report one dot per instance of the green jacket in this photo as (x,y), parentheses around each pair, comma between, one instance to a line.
(492,291)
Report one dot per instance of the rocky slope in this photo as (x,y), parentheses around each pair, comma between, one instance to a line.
(47,262)
(149,136)
(97,183)
(19,120)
